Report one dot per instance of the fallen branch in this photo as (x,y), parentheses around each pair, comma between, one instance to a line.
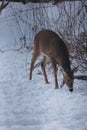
(80,77)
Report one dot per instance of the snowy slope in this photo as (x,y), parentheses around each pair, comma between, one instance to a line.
(34,105)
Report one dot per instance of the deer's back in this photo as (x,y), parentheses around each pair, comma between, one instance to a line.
(49,43)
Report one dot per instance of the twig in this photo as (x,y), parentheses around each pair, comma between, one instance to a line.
(80,77)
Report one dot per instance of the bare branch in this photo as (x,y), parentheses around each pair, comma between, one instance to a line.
(3,5)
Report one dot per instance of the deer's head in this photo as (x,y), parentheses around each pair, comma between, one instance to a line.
(69,78)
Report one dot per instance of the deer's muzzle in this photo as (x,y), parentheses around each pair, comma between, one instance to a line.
(71,90)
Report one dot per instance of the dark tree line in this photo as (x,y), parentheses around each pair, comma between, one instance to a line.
(39,1)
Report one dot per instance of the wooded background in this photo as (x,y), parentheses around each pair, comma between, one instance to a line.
(67,17)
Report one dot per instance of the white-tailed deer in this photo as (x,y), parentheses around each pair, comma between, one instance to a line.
(49,44)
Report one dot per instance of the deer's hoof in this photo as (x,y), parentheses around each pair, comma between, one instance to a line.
(30,78)
(47,82)
(56,87)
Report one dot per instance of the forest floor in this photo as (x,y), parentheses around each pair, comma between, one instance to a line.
(34,105)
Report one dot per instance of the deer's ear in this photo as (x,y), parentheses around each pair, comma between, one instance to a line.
(65,74)
(75,69)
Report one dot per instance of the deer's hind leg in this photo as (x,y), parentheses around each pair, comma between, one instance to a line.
(43,63)
(34,57)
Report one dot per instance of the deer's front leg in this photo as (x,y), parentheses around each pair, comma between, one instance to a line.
(55,74)
(62,84)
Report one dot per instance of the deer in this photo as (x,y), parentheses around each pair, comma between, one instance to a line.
(49,44)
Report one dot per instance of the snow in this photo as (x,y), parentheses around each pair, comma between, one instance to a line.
(33,105)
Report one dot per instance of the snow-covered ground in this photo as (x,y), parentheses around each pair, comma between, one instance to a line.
(34,105)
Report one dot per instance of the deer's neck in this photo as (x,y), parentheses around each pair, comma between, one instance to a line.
(65,64)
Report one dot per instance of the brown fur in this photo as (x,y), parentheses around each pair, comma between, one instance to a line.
(52,46)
